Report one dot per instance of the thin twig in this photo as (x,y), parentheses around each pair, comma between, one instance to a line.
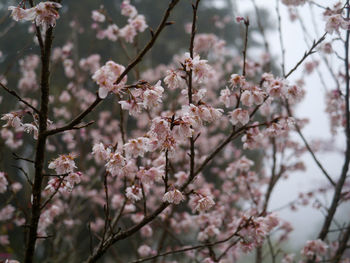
(297,127)
(246,23)
(13,93)
(53,194)
(16,157)
(187,249)
(144,200)
(25,174)
(190,85)
(308,53)
(283,51)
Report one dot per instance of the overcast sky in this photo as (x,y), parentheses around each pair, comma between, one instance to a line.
(312,107)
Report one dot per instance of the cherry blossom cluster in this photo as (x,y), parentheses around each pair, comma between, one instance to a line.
(335,109)
(143,96)
(44,13)
(314,248)
(107,76)
(136,24)
(66,177)
(14,120)
(335,20)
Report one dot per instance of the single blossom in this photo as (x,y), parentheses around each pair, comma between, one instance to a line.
(128,32)
(173,79)
(144,251)
(203,204)
(14,119)
(100,152)
(151,175)
(239,116)
(314,248)
(98,16)
(19,14)
(237,80)
(152,97)
(45,13)
(31,128)
(128,9)
(139,23)
(115,164)
(336,22)
(228,98)
(173,197)
(134,193)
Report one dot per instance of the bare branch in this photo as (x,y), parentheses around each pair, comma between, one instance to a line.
(13,93)
(308,53)
(25,174)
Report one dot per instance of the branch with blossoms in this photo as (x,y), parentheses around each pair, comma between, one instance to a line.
(171,161)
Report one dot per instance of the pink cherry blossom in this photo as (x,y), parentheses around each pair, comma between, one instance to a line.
(4,241)
(239,116)
(98,16)
(115,164)
(136,147)
(144,251)
(18,13)
(247,98)
(112,32)
(64,164)
(173,197)
(128,32)
(128,9)
(151,175)
(237,80)
(46,13)
(6,213)
(13,119)
(3,183)
(335,23)
(173,79)
(139,23)
(100,152)
(228,98)
(152,97)
(314,248)
(202,203)
(134,193)
(31,128)
(106,78)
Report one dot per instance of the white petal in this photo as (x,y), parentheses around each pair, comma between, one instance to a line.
(102,93)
